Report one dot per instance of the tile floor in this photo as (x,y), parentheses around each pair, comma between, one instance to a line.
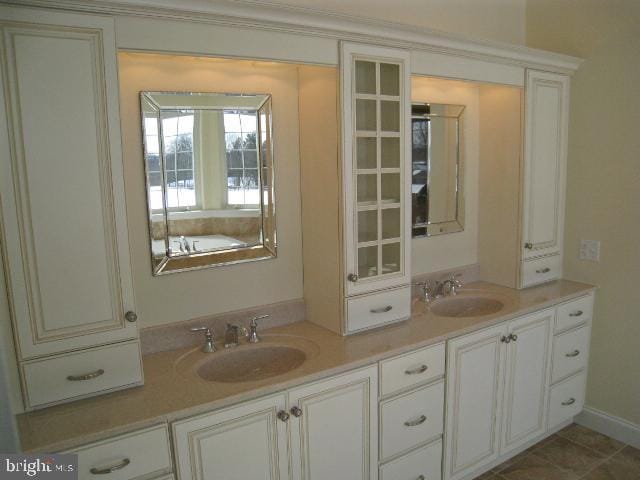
(571,454)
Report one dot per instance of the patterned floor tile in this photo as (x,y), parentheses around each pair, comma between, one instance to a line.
(570,456)
(594,440)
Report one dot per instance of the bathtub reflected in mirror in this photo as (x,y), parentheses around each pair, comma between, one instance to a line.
(209,179)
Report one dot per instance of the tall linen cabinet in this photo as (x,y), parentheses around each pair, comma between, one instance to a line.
(357,238)
(66,249)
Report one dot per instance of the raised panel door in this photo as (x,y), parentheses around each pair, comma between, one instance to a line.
(335,435)
(474,397)
(527,379)
(64,213)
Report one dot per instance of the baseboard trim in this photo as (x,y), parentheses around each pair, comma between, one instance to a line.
(610,425)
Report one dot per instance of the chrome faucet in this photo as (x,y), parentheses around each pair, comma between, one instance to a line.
(439,288)
(208,346)
(231,335)
(252,336)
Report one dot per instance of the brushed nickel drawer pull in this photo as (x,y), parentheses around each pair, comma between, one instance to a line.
(86,376)
(575,353)
(105,471)
(543,270)
(576,314)
(415,423)
(386,309)
(571,401)
(417,370)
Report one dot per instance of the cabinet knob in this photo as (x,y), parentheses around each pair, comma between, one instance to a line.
(513,337)
(131,316)
(296,412)
(283,415)
(505,339)
(528,246)
(352,277)
(420,477)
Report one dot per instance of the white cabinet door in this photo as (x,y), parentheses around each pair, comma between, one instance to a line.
(546,124)
(526,379)
(376,107)
(61,171)
(239,443)
(474,393)
(335,435)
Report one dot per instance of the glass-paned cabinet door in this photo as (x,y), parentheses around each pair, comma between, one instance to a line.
(376,117)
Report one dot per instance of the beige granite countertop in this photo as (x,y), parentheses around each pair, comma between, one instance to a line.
(173,391)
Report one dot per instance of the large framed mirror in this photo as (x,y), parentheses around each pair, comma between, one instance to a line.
(437,169)
(209,179)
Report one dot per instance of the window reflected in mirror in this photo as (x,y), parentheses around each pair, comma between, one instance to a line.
(207,159)
(437,169)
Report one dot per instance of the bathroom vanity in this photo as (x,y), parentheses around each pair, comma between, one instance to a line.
(376,383)
(478,388)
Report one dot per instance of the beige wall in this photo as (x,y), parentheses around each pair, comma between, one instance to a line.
(499,20)
(443,252)
(603,193)
(187,295)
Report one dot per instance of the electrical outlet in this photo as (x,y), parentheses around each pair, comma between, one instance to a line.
(590,250)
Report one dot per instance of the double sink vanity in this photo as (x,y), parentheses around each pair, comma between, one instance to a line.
(392,395)
(391,162)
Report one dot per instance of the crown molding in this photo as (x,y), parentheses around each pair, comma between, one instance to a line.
(305,21)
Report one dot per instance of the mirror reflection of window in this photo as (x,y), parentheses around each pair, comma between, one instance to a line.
(177,135)
(240,131)
(436,183)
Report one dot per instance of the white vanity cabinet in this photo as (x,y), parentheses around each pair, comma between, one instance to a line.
(544,181)
(63,208)
(326,429)
(497,382)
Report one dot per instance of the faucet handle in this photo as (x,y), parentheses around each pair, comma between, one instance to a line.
(254,320)
(206,330)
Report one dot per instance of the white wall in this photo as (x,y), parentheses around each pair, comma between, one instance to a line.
(499,20)
(194,294)
(453,250)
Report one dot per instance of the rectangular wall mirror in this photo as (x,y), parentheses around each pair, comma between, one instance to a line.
(209,179)
(437,169)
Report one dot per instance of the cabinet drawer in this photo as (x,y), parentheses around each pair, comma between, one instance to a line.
(566,399)
(141,453)
(424,463)
(411,369)
(83,373)
(570,351)
(378,309)
(574,313)
(411,419)
(541,270)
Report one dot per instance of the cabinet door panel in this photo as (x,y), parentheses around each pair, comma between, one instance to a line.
(376,142)
(65,224)
(474,392)
(243,442)
(547,104)
(527,379)
(336,436)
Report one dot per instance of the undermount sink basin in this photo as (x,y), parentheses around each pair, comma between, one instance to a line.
(250,364)
(466,306)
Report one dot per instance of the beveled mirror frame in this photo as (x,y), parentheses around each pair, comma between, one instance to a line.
(420,110)
(266,175)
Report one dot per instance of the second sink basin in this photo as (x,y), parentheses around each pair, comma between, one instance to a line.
(466,306)
(250,364)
